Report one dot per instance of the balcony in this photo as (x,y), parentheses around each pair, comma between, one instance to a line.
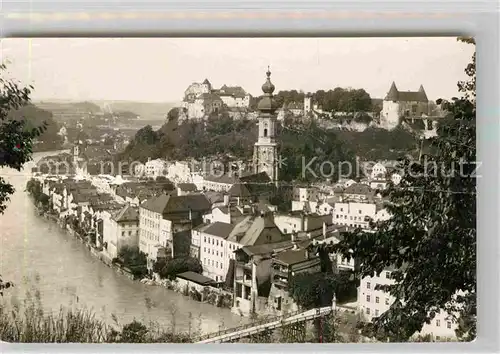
(244,280)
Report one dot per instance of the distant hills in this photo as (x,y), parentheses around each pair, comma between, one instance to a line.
(146,110)
(63,110)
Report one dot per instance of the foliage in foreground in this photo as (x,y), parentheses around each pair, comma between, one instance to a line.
(169,268)
(431,237)
(16,137)
(31,324)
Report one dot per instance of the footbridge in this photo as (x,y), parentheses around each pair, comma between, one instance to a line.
(266,324)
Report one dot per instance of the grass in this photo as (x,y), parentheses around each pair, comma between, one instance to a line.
(29,323)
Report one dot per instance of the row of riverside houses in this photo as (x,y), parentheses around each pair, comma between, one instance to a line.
(354,204)
(242,241)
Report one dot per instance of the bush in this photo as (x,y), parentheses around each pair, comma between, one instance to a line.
(169,268)
(134,260)
(30,324)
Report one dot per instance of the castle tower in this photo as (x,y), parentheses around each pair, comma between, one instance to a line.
(307,104)
(265,155)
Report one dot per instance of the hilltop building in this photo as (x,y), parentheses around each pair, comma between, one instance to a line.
(398,104)
(201,99)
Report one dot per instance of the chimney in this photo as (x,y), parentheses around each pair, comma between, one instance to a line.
(226,199)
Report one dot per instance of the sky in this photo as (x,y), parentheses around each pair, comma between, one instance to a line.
(160,69)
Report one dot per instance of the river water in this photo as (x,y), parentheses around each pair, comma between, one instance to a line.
(36,253)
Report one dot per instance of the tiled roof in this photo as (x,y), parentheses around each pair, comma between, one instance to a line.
(187,187)
(222,179)
(166,204)
(358,188)
(196,278)
(236,91)
(290,257)
(127,213)
(267,248)
(239,190)
(406,96)
(219,229)
(254,230)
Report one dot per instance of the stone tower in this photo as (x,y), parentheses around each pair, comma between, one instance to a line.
(265,155)
(307,104)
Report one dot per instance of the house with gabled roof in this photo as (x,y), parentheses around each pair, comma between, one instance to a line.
(121,229)
(164,220)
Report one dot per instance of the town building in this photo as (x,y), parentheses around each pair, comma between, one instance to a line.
(286,265)
(252,271)
(373,303)
(219,240)
(120,230)
(166,222)
(202,100)
(155,168)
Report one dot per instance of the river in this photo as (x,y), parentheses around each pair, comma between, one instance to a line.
(34,252)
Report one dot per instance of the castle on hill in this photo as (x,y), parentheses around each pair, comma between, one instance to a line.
(201,99)
(403,104)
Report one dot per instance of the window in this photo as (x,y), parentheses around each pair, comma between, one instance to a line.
(387,301)
(265,132)
(217,264)
(388,275)
(368,285)
(221,265)
(368,298)
(341,209)
(204,249)
(204,238)
(448,324)
(438,323)
(376,313)
(377,299)
(217,253)
(360,211)
(217,243)
(367,310)
(123,233)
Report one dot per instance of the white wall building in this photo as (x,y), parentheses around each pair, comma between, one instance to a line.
(354,214)
(179,172)
(155,168)
(120,229)
(378,171)
(373,303)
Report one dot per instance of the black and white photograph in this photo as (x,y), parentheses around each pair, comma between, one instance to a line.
(238,190)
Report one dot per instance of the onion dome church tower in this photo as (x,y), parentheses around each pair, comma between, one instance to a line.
(265,155)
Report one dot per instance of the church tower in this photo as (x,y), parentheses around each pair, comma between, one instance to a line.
(265,155)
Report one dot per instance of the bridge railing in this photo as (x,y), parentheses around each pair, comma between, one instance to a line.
(262,321)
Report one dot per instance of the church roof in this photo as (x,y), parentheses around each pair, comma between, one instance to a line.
(267,103)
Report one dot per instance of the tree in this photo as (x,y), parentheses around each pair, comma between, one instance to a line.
(16,139)
(431,237)
(169,268)
(312,290)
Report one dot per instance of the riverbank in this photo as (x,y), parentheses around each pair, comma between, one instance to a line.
(206,294)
